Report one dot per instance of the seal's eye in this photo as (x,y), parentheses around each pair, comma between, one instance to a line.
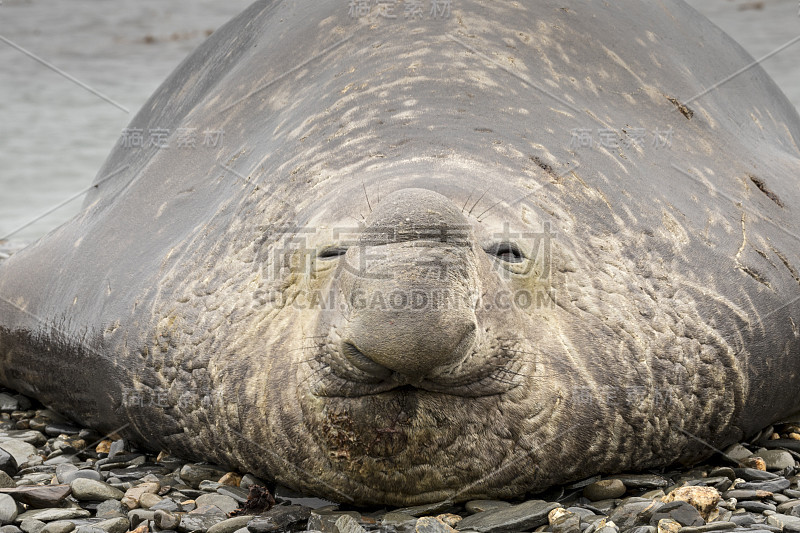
(331,252)
(507,251)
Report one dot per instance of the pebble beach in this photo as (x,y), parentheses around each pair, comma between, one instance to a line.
(56,477)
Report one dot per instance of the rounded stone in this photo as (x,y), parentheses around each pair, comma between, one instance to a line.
(8,464)
(230,525)
(71,475)
(148,499)
(166,520)
(6,482)
(88,489)
(19,449)
(32,526)
(776,459)
(8,509)
(59,526)
(225,503)
(113,525)
(604,489)
(193,474)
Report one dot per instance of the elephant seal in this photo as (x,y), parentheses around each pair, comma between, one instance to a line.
(438,256)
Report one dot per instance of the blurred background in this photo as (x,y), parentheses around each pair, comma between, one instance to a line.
(54,135)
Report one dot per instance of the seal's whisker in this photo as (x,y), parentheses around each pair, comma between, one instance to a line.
(489,209)
(509,371)
(303,348)
(505,381)
(477,201)
(467,200)
(366,196)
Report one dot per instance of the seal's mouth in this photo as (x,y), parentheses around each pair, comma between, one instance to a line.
(332,386)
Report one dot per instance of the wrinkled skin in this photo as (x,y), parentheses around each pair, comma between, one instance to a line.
(575,310)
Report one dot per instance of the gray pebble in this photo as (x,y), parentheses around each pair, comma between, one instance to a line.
(522,517)
(680,511)
(230,525)
(398,521)
(111,509)
(604,489)
(167,504)
(8,403)
(32,526)
(112,525)
(742,494)
(90,489)
(166,520)
(209,486)
(714,526)
(137,516)
(30,436)
(322,520)
(580,511)
(10,529)
(479,506)
(59,526)
(785,522)
(633,514)
(225,503)
(194,474)
(643,529)
(737,453)
(198,522)
(52,514)
(751,474)
(19,449)
(250,479)
(723,471)
(6,482)
(118,447)
(71,475)
(776,459)
(743,519)
(237,493)
(565,522)
(348,524)
(755,507)
(776,485)
(8,510)
(8,464)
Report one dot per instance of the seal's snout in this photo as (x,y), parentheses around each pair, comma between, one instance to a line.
(411,316)
(413,350)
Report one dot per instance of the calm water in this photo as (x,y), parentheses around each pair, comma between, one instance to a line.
(54,135)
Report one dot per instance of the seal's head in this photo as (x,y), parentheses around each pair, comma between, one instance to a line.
(426,332)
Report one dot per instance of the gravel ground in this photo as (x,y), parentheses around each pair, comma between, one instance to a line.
(56,477)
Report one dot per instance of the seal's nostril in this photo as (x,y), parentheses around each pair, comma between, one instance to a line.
(364,363)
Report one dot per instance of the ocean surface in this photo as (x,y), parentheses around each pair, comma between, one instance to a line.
(54,134)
